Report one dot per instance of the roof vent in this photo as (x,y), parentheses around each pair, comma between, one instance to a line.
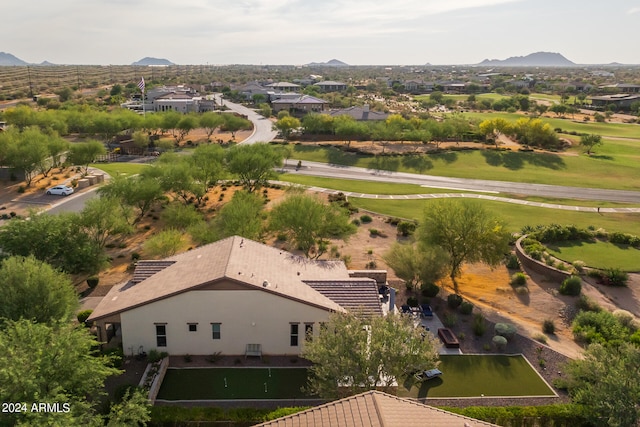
(265,283)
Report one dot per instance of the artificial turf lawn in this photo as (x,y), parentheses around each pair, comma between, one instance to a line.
(477,375)
(597,254)
(242,383)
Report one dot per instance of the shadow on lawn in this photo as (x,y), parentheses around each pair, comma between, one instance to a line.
(516,161)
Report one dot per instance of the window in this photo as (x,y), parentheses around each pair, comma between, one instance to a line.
(308,331)
(215,330)
(161,335)
(193,327)
(294,334)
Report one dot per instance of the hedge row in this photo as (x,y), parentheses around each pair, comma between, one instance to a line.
(560,415)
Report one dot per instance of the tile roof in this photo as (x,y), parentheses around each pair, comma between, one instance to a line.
(304,99)
(356,295)
(359,113)
(375,409)
(234,258)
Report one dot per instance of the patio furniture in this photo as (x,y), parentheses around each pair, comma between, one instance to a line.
(427,375)
(253,350)
(405,309)
(426,310)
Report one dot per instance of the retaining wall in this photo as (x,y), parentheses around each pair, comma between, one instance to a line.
(538,266)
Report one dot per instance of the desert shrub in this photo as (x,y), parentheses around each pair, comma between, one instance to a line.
(579,265)
(479,325)
(601,327)
(454,301)
(215,357)
(93,281)
(571,286)
(135,256)
(282,237)
(585,303)
(558,233)
(540,338)
(187,358)
(366,219)
(84,315)
(430,290)
(615,277)
(548,326)
(406,228)
(506,330)
(450,320)
(374,232)
(499,342)
(624,317)
(512,262)
(518,279)
(521,290)
(412,302)
(356,222)
(466,307)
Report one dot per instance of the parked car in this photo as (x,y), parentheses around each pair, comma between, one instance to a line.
(60,190)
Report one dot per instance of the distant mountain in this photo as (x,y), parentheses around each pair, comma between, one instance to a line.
(46,63)
(332,63)
(538,59)
(8,59)
(153,61)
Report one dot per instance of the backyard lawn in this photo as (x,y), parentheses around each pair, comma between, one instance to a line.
(477,375)
(120,168)
(233,383)
(597,254)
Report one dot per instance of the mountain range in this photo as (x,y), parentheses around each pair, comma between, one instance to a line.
(153,61)
(331,63)
(537,59)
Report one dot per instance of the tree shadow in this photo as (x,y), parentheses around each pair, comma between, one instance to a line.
(601,157)
(427,385)
(417,162)
(516,161)
(387,163)
(446,156)
(337,157)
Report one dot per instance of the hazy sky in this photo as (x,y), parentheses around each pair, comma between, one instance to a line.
(357,32)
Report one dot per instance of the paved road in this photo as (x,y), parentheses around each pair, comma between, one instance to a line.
(542,190)
(74,203)
(262,127)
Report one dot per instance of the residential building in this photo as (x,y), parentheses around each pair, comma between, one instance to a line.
(230,296)
(300,105)
(331,86)
(284,87)
(375,409)
(359,113)
(622,101)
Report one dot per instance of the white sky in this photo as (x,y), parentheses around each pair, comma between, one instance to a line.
(358,32)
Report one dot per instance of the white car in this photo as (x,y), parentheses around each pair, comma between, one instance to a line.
(60,190)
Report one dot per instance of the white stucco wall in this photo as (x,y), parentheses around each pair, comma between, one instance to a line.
(246,317)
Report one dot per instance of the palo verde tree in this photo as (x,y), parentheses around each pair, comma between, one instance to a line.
(589,141)
(363,353)
(416,265)
(286,125)
(138,192)
(242,216)
(32,289)
(466,231)
(83,153)
(307,221)
(603,383)
(253,164)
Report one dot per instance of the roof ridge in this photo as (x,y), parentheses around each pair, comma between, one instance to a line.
(375,395)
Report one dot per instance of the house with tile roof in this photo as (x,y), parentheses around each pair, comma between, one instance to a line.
(375,409)
(230,296)
(300,105)
(359,113)
(331,86)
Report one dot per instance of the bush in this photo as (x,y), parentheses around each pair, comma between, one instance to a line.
(479,325)
(406,228)
(454,301)
(93,281)
(512,262)
(135,256)
(430,290)
(365,219)
(450,320)
(579,265)
(571,286)
(548,327)
(518,279)
(521,290)
(466,307)
(615,277)
(412,302)
(543,339)
(499,342)
(155,355)
(506,330)
(585,303)
(83,316)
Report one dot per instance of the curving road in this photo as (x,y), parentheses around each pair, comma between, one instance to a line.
(263,132)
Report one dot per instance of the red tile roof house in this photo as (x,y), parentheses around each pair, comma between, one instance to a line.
(231,296)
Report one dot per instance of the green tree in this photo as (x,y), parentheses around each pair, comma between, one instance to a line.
(185,125)
(265,110)
(140,140)
(286,125)
(253,164)
(603,381)
(103,219)
(318,124)
(134,410)
(28,152)
(51,363)
(59,240)
(139,192)
(494,128)
(233,124)
(242,216)
(57,148)
(211,121)
(365,353)
(308,221)
(589,141)
(31,289)
(559,109)
(84,153)
(415,265)
(465,231)
(208,164)
(163,244)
